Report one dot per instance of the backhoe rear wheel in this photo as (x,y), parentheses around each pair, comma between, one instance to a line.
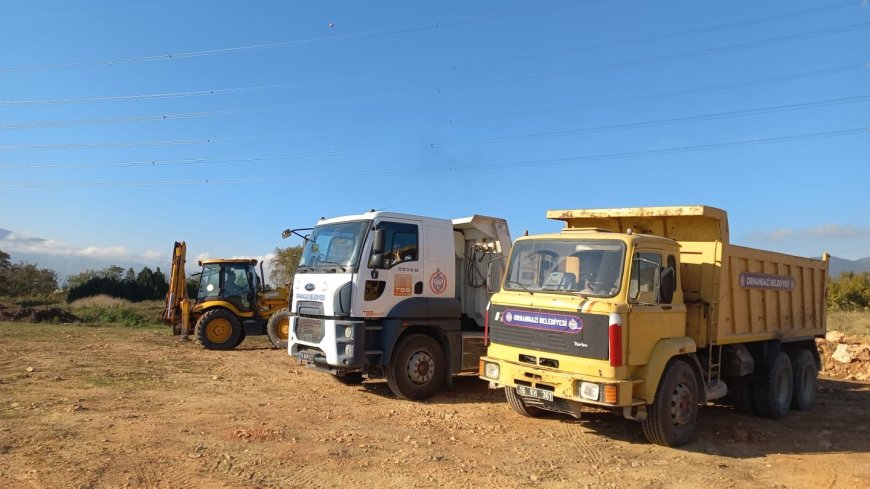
(218,329)
(278,328)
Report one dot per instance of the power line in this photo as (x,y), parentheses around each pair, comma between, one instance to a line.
(487,85)
(281,44)
(560,108)
(462,168)
(212,113)
(263,88)
(486,140)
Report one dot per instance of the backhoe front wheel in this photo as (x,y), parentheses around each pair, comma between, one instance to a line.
(672,416)
(417,368)
(278,328)
(218,329)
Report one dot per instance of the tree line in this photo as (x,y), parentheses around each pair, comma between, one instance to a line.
(114,281)
(848,292)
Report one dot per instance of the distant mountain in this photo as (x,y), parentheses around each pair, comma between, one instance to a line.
(840,265)
(6,234)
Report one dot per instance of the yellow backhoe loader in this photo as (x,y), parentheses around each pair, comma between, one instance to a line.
(231,303)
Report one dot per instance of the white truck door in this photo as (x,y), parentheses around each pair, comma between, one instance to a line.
(401,277)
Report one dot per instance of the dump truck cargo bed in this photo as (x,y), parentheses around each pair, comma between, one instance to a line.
(733,294)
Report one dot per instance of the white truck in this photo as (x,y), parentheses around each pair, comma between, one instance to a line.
(392,295)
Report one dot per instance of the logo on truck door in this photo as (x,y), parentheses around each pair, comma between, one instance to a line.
(402,284)
(438,282)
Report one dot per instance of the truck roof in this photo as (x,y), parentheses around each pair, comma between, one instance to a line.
(249,261)
(680,223)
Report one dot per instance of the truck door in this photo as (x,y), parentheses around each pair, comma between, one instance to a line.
(650,319)
(399,277)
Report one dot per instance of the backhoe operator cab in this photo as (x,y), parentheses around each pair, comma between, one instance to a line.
(234,282)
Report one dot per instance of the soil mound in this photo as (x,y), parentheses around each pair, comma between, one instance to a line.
(54,315)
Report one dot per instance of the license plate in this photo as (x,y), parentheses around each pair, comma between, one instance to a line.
(306,357)
(536,393)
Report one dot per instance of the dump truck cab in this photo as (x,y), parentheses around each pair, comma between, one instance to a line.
(395,296)
(564,303)
(651,312)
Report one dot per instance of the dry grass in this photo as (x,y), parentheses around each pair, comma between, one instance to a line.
(106,309)
(850,322)
(101,300)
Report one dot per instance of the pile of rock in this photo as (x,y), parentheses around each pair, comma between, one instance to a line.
(845,357)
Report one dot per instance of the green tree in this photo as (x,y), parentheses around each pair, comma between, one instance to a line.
(130,277)
(284,264)
(849,292)
(25,279)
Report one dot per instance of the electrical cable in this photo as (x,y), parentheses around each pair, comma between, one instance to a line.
(451,169)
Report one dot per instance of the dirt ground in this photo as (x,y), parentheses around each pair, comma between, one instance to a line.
(118,407)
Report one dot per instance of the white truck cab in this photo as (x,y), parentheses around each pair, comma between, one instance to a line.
(392,295)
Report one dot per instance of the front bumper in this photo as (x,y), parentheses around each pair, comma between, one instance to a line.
(330,344)
(564,385)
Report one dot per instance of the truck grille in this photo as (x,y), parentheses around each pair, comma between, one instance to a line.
(309,330)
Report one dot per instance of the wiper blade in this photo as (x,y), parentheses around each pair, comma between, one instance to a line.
(332,263)
(521,286)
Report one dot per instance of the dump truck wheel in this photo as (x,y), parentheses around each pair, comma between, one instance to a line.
(672,416)
(516,403)
(278,328)
(218,329)
(417,369)
(773,396)
(740,395)
(349,378)
(805,379)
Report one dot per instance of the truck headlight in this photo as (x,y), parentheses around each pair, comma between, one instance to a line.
(348,332)
(348,350)
(491,370)
(589,390)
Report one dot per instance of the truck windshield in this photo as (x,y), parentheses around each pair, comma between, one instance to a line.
(333,246)
(588,268)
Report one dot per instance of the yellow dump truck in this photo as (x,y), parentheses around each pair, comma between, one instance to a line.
(651,312)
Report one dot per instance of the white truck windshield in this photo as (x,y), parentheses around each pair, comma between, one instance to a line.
(334,245)
(589,268)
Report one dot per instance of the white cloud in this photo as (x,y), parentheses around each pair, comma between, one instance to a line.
(153,255)
(15,243)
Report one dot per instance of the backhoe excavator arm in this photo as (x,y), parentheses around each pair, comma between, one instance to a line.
(177,310)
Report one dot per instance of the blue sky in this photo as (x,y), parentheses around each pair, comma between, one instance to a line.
(126,125)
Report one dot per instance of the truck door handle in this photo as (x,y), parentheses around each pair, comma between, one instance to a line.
(667,308)
(418,288)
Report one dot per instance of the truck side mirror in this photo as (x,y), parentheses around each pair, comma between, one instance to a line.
(376,261)
(667,285)
(493,276)
(378,242)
